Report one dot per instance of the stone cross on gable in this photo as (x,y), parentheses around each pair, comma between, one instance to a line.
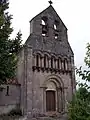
(50,2)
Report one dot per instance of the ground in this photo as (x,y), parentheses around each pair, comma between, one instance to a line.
(5,117)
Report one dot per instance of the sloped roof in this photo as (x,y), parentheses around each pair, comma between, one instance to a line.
(46,44)
(52,10)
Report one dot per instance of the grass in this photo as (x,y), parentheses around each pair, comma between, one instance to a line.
(12,115)
(8,117)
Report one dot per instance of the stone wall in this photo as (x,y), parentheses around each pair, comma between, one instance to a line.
(24,76)
(39,79)
(32,85)
(21,77)
(34,76)
(9,98)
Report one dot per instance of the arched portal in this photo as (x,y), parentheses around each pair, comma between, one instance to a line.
(53,94)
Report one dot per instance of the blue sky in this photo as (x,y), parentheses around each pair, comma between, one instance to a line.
(74,13)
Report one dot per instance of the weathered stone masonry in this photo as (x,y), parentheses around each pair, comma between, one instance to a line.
(46,67)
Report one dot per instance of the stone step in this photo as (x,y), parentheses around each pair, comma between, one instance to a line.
(62,117)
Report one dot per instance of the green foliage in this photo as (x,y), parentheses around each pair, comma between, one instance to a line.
(15,112)
(87,58)
(8,48)
(16,44)
(85,74)
(79,108)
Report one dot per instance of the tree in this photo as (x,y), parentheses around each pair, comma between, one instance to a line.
(79,108)
(8,48)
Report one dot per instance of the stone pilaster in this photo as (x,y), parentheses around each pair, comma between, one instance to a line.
(29,85)
(60,64)
(42,60)
(60,101)
(53,63)
(65,100)
(39,61)
(73,81)
(34,60)
(46,62)
(56,64)
(22,79)
(66,65)
(49,62)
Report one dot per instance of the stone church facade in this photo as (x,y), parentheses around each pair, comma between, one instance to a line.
(45,71)
(46,67)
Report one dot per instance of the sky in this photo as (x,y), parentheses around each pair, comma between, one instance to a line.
(74,13)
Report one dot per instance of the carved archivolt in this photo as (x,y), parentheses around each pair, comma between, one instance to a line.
(54,83)
(55,79)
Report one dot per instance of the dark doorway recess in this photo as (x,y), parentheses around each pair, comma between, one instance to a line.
(50,101)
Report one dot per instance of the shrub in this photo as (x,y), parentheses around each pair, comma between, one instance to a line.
(15,112)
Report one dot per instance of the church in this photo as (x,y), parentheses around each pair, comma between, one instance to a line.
(46,67)
(45,80)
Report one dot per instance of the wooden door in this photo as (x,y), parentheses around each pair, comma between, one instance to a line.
(50,101)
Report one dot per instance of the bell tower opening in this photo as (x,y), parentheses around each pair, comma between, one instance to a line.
(44,26)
